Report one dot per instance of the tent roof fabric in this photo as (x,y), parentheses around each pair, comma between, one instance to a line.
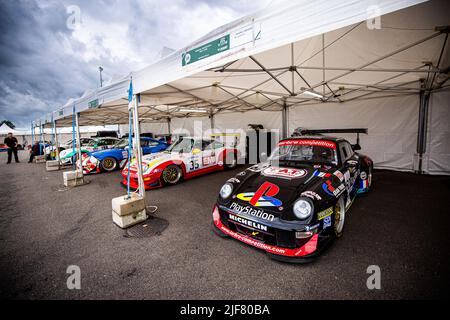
(5,129)
(293,54)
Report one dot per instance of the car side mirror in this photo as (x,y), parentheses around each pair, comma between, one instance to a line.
(356,147)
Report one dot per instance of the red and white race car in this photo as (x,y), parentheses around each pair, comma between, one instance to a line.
(187,158)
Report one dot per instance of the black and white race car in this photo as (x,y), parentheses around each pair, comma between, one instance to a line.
(293,205)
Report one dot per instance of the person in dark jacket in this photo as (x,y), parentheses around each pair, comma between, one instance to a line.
(12,143)
(35,151)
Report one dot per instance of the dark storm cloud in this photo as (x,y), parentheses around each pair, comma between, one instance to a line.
(43,62)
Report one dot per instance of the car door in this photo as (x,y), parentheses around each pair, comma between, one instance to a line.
(209,158)
(351,169)
(194,161)
(145,145)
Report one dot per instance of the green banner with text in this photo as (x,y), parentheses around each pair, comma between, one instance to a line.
(207,50)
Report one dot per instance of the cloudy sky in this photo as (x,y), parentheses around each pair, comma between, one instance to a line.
(50,50)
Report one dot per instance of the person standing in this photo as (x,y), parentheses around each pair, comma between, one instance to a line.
(11,142)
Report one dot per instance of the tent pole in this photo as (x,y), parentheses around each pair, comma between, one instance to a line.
(80,158)
(423,126)
(137,145)
(169,125)
(42,146)
(284,119)
(32,133)
(323,63)
(56,141)
(211,119)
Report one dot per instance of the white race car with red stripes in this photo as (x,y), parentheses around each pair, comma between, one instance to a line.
(187,158)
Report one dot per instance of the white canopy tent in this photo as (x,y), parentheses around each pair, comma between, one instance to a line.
(5,129)
(318,64)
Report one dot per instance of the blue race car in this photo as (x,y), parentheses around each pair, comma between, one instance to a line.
(116,158)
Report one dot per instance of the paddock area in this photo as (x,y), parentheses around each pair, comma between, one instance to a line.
(400,226)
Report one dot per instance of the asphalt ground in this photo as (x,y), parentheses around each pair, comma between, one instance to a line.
(402,226)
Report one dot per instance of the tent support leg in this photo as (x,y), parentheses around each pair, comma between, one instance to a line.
(56,142)
(211,119)
(285,119)
(169,122)
(80,158)
(423,127)
(137,145)
(32,134)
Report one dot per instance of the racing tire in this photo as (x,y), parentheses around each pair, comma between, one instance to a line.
(339,217)
(108,164)
(171,175)
(230,161)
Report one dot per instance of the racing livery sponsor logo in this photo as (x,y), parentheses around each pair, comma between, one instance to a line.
(253,212)
(325,213)
(363,175)
(340,175)
(234,180)
(207,161)
(350,182)
(259,167)
(327,222)
(313,227)
(303,142)
(307,249)
(364,184)
(317,173)
(263,197)
(249,223)
(332,191)
(311,194)
(285,173)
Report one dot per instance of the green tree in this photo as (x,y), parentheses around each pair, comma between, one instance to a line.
(8,123)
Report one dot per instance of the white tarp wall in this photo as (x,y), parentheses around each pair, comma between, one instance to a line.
(392,124)
(437,157)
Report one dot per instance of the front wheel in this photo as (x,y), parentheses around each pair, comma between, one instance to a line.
(109,164)
(172,174)
(339,217)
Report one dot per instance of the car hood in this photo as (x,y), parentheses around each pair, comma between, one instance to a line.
(157,158)
(151,161)
(279,187)
(106,152)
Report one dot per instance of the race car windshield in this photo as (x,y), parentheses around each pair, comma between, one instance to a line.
(183,145)
(121,144)
(305,153)
(93,143)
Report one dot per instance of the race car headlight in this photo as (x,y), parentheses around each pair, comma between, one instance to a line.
(303,208)
(226,191)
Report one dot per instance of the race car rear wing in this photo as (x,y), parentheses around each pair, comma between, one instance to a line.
(304,132)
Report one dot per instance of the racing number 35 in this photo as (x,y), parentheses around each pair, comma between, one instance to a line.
(194,165)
